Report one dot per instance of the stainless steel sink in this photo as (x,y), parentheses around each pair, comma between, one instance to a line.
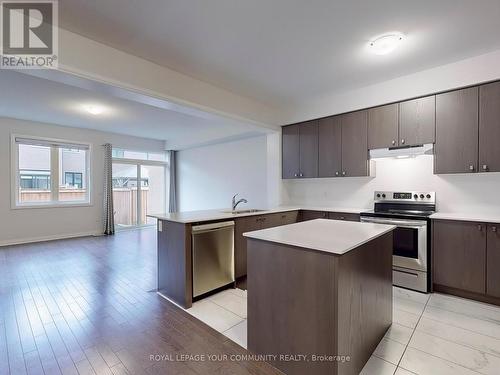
(236,212)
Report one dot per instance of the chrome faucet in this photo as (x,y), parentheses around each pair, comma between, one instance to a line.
(235,204)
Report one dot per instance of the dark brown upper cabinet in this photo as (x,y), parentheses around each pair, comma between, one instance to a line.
(459,250)
(457,128)
(355,144)
(290,151)
(308,150)
(489,127)
(493,261)
(330,147)
(300,150)
(417,121)
(383,126)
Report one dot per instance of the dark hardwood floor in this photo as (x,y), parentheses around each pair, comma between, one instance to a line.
(86,306)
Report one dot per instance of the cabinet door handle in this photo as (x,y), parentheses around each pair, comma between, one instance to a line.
(485,167)
(471,168)
(301,174)
(393,142)
(494,229)
(479,227)
(337,173)
(343,173)
(342,218)
(296,175)
(403,141)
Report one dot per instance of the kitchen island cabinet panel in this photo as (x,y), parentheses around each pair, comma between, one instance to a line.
(174,262)
(344,307)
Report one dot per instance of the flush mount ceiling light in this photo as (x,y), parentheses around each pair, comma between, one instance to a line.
(387,43)
(94,109)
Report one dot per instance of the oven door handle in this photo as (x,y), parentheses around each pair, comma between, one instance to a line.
(400,223)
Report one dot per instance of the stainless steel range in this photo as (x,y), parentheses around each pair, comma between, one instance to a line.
(409,211)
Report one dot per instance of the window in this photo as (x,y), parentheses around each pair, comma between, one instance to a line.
(73,179)
(139,155)
(49,172)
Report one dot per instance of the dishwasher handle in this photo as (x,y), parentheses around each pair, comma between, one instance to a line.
(211,227)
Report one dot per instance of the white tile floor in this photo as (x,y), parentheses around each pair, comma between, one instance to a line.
(432,334)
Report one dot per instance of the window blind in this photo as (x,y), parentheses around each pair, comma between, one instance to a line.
(51,143)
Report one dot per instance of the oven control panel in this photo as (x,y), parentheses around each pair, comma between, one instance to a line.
(406,196)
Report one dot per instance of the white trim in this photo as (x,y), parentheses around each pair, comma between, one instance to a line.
(54,174)
(62,204)
(21,241)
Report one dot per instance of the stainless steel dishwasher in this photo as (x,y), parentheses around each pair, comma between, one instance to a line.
(213,256)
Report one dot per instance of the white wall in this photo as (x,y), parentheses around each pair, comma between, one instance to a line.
(23,225)
(209,176)
(462,73)
(466,193)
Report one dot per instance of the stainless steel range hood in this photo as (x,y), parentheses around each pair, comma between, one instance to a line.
(402,152)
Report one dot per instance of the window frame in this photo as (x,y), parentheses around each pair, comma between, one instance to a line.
(54,175)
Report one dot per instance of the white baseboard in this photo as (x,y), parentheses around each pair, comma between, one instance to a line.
(21,241)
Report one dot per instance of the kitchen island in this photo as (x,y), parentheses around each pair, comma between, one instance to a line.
(175,241)
(319,294)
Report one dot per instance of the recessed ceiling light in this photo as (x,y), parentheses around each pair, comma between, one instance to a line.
(94,109)
(384,44)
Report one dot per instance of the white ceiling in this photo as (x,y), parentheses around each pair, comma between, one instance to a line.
(287,52)
(33,98)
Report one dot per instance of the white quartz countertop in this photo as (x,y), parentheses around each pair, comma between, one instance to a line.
(331,236)
(211,215)
(486,218)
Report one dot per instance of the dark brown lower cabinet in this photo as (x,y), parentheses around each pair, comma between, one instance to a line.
(460,255)
(343,216)
(243,225)
(311,215)
(249,224)
(493,261)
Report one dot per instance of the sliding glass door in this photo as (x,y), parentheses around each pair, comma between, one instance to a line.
(125,193)
(138,190)
(153,193)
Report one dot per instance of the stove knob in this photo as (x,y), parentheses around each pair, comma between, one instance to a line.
(415,196)
(428,196)
(383,195)
(378,195)
(422,196)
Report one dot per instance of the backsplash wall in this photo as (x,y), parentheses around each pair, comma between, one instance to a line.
(465,193)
